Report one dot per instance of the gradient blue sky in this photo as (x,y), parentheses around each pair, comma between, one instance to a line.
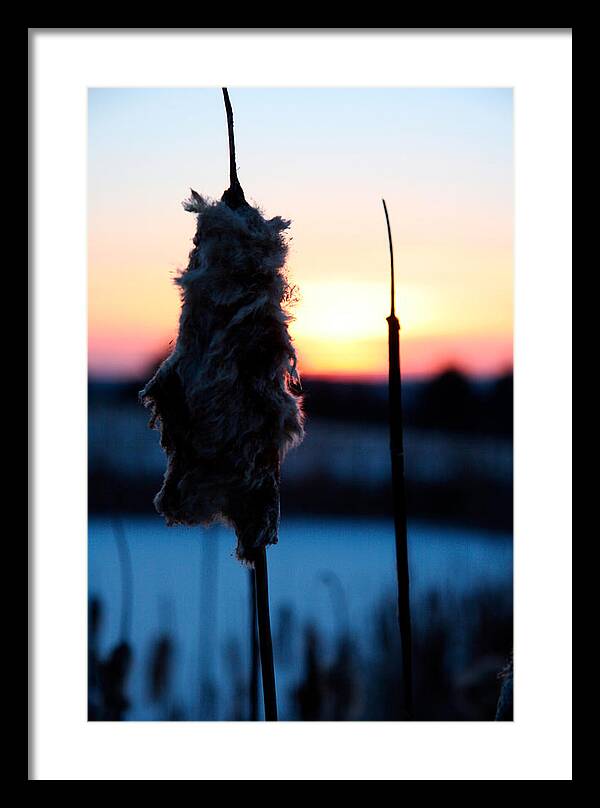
(324,158)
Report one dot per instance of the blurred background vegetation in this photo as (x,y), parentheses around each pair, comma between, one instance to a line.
(169,609)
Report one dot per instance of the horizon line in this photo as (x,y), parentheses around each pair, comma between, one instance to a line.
(342,378)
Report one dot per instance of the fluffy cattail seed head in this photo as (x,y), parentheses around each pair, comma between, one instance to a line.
(226,399)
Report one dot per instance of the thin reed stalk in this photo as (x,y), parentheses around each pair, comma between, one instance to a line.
(254,652)
(399,487)
(264,635)
(234,196)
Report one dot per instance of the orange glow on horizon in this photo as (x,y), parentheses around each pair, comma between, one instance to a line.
(446,172)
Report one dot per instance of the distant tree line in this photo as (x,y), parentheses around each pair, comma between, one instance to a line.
(450,402)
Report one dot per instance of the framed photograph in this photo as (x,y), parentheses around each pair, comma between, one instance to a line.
(284,485)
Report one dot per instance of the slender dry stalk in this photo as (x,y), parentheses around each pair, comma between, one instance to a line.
(398,487)
(254,652)
(234,196)
(264,635)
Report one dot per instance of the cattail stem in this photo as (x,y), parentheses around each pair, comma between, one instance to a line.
(254,652)
(234,196)
(399,488)
(264,635)
(233,180)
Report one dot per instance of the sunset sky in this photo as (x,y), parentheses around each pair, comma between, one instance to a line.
(323,158)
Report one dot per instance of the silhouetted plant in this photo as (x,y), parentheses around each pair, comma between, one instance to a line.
(113,681)
(309,694)
(383,698)
(328,691)
(342,682)
(226,400)
(432,675)
(399,488)
(160,666)
(504,709)
(285,636)
(107,677)
(94,627)
(338,600)
(237,681)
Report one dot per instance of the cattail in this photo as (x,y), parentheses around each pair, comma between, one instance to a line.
(398,485)
(504,710)
(226,399)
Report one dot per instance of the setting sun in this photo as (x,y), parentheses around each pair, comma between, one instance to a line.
(449,195)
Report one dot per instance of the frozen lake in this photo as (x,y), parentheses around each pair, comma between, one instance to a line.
(327,571)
